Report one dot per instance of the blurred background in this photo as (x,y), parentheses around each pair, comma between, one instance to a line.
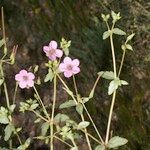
(30,24)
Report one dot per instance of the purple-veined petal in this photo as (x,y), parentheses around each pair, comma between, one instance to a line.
(23,72)
(22,84)
(76,70)
(68,74)
(18,77)
(53,45)
(76,62)
(30,83)
(59,53)
(45,49)
(31,76)
(67,60)
(62,67)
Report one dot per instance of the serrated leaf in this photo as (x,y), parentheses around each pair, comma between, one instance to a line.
(34,106)
(106,74)
(8,131)
(100,147)
(67,104)
(129,47)
(61,118)
(79,109)
(130,37)
(112,87)
(83,125)
(106,34)
(45,126)
(118,31)
(116,141)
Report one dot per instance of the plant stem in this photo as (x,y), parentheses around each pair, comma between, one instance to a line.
(53,110)
(73,142)
(56,137)
(40,101)
(114,94)
(38,115)
(122,60)
(101,139)
(14,97)
(66,88)
(86,135)
(92,137)
(5,86)
(82,117)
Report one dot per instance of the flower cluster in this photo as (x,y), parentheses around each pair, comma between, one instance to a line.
(69,67)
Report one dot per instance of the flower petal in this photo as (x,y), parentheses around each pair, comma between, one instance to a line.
(59,53)
(76,62)
(31,76)
(52,57)
(45,49)
(76,70)
(22,84)
(18,77)
(67,60)
(30,83)
(23,72)
(62,67)
(68,74)
(53,45)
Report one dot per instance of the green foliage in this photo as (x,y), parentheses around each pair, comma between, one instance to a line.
(44,128)
(116,141)
(100,147)
(67,104)
(9,129)
(83,125)
(4,116)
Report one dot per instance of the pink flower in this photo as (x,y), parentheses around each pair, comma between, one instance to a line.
(25,79)
(52,52)
(69,67)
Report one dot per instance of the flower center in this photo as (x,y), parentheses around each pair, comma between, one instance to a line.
(51,52)
(69,67)
(25,78)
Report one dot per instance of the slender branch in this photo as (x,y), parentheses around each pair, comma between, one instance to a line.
(101,139)
(15,92)
(110,117)
(53,110)
(122,60)
(56,137)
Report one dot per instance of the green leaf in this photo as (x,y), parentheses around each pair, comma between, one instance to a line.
(12,107)
(4,115)
(83,125)
(100,147)
(85,99)
(67,104)
(34,106)
(123,82)
(113,85)
(129,47)
(8,131)
(45,126)
(116,141)
(118,31)
(1,81)
(49,76)
(79,109)
(61,118)
(109,75)
(2,41)
(130,37)
(106,34)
